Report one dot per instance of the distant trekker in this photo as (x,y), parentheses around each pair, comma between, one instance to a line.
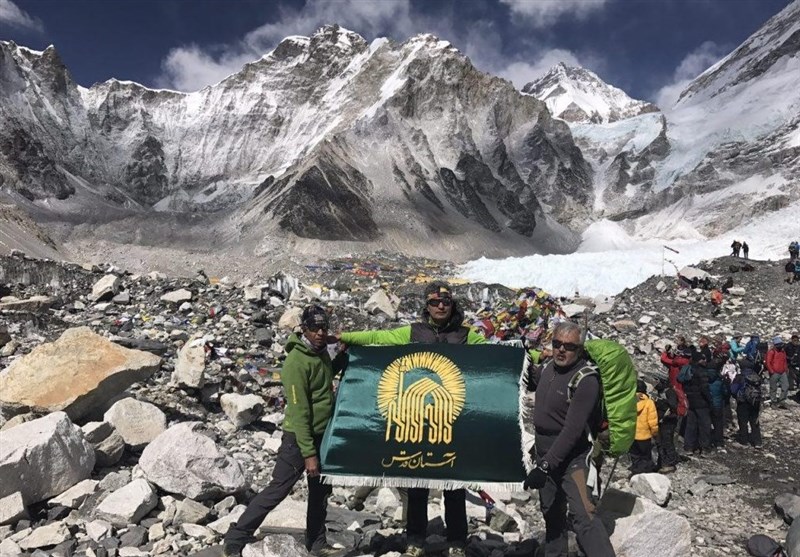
(746,250)
(778,368)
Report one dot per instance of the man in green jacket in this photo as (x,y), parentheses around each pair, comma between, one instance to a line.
(307,378)
(442,322)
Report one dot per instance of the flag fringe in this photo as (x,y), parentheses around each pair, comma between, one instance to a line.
(527,459)
(392,481)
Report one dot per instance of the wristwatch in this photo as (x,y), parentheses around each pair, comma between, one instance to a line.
(545,466)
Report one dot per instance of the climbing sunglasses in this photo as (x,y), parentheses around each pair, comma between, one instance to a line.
(446,302)
(568,346)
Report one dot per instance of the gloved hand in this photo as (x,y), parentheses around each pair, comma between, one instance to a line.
(536,479)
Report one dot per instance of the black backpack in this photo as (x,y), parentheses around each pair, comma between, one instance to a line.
(764,546)
(751,390)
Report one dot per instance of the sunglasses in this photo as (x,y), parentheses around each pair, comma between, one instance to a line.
(446,302)
(317,328)
(568,346)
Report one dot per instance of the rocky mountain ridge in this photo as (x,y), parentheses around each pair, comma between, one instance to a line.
(278,149)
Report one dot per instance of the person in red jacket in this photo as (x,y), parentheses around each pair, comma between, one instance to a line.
(778,367)
(674,361)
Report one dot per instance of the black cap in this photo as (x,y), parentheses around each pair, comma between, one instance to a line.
(440,288)
(641,386)
(315,317)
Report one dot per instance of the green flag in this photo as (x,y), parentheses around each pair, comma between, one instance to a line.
(442,416)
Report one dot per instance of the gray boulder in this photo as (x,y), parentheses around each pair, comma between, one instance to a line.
(793,540)
(128,505)
(191,364)
(107,443)
(189,511)
(12,509)
(184,461)
(43,458)
(655,487)
(177,297)
(242,409)
(641,528)
(74,496)
(105,288)
(137,422)
(46,536)
(281,545)
(788,507)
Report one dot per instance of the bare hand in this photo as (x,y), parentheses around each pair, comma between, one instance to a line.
(312,466)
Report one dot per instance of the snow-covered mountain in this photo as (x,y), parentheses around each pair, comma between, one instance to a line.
(332,144)
(578,95)
(325,138)
(726,153)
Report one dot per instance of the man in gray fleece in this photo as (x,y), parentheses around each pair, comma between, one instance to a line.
(562,446)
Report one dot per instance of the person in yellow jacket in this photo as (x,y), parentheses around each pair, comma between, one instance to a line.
(641,451)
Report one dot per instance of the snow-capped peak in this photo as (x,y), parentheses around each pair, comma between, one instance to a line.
(580,96)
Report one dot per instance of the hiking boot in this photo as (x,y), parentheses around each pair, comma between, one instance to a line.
(232,550)
(327,551)
(414,551)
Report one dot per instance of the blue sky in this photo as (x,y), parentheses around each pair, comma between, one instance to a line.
(646,47)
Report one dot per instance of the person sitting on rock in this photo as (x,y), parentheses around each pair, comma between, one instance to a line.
(562,447)
(641,452)
(307,378)
(442,323)
(667,408)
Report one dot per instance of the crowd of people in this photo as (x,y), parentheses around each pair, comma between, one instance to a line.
(705,384)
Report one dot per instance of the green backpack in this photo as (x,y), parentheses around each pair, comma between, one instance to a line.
(612,363)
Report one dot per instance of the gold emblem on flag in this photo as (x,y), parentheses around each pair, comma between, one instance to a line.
(425,409)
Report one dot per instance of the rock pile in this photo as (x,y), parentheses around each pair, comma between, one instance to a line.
(154,409)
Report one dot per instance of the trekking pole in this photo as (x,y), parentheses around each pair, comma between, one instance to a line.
(610,477)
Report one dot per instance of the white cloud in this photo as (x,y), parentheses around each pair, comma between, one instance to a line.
(190,68)
(693,64)
(543,13)
(12,15)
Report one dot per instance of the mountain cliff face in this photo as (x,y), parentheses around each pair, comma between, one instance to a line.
(327,137)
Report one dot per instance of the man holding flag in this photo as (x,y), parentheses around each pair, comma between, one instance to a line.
(442,323)
(307,378)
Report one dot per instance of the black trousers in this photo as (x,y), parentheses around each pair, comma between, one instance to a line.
(641,454)
(718,427)
(289,468)
(749,426)
(667,455)
(455,515)
(698,429)
(794,378)
(566,490)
